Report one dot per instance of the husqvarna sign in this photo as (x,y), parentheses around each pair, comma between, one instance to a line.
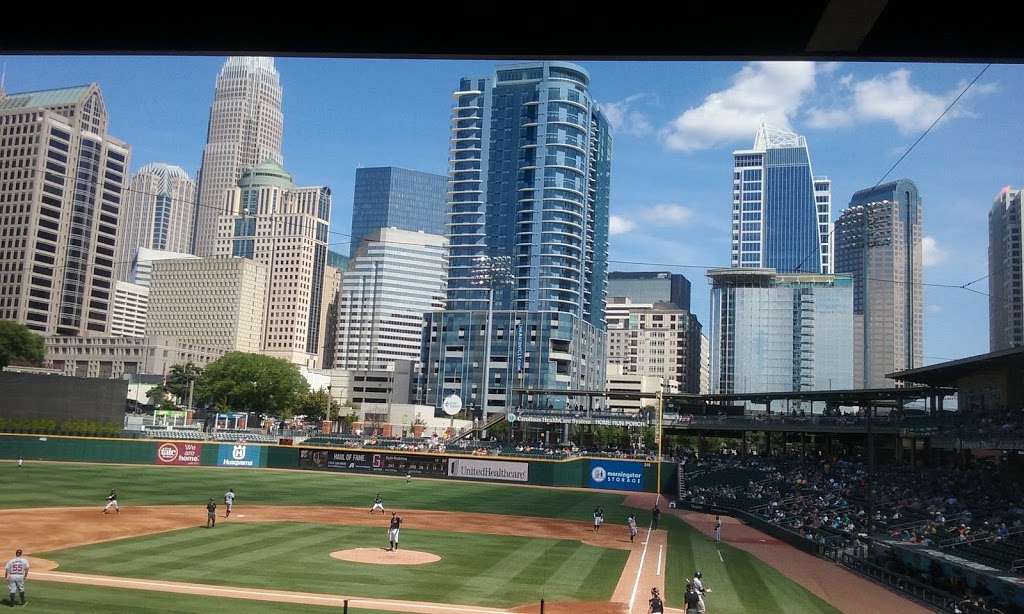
(239,455)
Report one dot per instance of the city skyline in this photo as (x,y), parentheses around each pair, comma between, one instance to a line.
(667,116)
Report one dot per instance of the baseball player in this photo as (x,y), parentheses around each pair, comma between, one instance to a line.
(229,500)
(396,524)
(408,478)
(631,521)
(211,513)
(112,502)
(20,461)
(16,572)
(718,528)
(597,519)
(655,516)
(378,504)
(701,590)
(656,605)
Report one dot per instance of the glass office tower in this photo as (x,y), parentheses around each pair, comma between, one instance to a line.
(392,197)
(529,183)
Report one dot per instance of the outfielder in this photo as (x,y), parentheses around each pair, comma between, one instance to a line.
(229,500)
(16,572)
(112,502)
(396,524)
(378,505)
(631,521)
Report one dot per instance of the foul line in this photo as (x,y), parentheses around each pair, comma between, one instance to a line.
(640,569)
(658,573)
(720,556)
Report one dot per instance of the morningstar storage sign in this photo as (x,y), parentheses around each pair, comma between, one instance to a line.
(488,470)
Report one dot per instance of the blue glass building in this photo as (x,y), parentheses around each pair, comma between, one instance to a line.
(392,197)
(530,171)
(781,212)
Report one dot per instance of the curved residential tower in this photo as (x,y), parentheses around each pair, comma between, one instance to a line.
(244,131)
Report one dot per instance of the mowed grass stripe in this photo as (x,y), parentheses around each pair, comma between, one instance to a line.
(494,580)
(588,574)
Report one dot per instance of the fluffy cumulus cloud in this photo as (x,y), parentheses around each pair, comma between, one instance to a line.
(772,92)
(669,214)
(931,254)
(620,225)
(893,98)
(624,117)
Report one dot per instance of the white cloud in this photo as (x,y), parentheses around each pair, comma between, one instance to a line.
(934,308)
(761,91)
(827,68)
(619,224)
(892,97)
(669,214)
(624,118)
(932,254)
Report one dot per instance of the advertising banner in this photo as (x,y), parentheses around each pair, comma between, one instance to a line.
(488,470)
(616,475)
(239,455)
(177,453)
(381,462)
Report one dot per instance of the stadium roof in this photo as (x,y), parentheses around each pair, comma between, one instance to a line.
(947,373)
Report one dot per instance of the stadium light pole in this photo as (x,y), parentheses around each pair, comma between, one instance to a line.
(490,271)
(660,432)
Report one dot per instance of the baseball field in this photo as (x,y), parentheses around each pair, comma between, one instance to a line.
(300,541)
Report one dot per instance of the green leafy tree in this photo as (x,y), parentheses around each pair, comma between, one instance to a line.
(179,377)
(251,382)
(313,405)
(19,344)
(157,395)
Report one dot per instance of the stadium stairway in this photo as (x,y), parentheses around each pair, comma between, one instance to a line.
(495,419)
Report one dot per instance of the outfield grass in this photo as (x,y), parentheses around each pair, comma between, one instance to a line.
(53,597)
(740,582)
(475,569)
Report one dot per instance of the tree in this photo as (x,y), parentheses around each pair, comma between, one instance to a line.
(19,344)
(313,405)
(179,378)
(251,382)
(156,395)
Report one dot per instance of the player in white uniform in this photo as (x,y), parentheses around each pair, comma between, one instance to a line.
(378,505)
(16,572)
(718,529)
(112,502)
(631,521)
(229,500)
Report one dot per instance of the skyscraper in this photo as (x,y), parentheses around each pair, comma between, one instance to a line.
(1006,271)
(530,176)
(878,243)
(273,222)
(160,213)
(245,130)
(657,339)
(395,277)
(781,212)
(780,333)
(61,183)
(651,287)
(392,197)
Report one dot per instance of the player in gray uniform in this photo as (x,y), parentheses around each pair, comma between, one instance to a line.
(631,521)
(211,513)
(718,528)
(229,500)
(396,524)
(16,572)
(112,502)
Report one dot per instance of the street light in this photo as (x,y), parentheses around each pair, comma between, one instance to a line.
(490,272)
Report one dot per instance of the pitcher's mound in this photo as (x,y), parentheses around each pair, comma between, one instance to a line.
(380,556)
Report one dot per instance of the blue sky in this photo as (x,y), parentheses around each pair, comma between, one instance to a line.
(677,124)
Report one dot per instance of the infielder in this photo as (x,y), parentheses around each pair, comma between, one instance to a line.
(211,514)
(631,521)
(378,504)
(718,528)
(396,524)
(20,461)
(16,572)
(112,502)
(597,519)
(229,500)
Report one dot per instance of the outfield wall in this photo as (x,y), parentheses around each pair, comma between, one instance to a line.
(597,473)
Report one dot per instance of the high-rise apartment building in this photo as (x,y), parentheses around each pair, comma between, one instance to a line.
(650,287)
(705,365)
(131,306)
(781,212)
(395,278)
(780,333)
(160,213)
(245,129)
(529,185)
(392,197)
(657,340)
(1006,271)
(140,265)
(210,302)
(284,227)
(878,244)
(61,204)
